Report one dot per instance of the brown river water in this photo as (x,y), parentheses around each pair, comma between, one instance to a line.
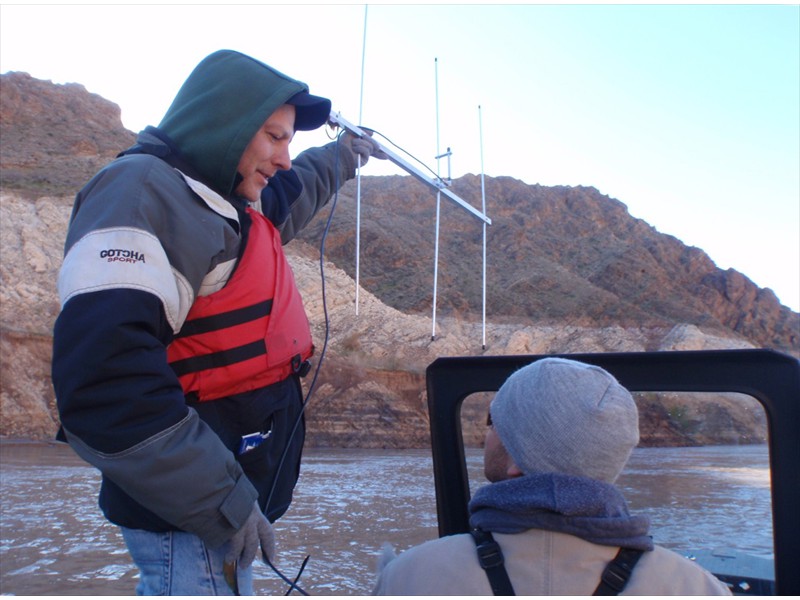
(348,503)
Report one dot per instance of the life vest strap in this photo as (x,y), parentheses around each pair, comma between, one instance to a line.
(614,579)
(216,360)
(227,319)
(617,572)
(491,560)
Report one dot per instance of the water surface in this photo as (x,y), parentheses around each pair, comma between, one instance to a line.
(54,541)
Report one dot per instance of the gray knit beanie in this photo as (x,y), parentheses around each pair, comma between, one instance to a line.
(562,416)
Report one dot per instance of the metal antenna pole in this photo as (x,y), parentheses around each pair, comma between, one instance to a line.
(363,60)
(358,163)
(438,206)
(358,227)
(483,200)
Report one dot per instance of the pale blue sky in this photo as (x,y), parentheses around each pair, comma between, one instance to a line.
(688,114)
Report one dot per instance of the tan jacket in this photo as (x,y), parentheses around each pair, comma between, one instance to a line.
(539,563)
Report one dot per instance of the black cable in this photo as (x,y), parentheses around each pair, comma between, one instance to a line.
(292,583)
(407,153)
(435,175)
(327,327)
(298,420)
(297,578)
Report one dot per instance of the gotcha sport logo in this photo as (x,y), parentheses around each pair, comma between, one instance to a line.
(122,255)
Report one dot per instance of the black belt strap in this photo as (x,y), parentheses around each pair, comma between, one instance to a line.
(616,574)
(491,559)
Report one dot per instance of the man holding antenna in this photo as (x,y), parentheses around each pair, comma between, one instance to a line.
(182,337)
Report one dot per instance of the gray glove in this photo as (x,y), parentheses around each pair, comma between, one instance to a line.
(364,146)
(256,531)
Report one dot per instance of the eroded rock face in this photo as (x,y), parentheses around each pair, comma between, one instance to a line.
(560,255)
(578,290)
(27,402)
(31,249)
(55,137)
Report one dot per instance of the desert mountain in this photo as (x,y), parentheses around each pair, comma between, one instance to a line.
(569,270)
(566,255)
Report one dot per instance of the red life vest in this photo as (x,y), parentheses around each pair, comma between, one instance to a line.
(251,333)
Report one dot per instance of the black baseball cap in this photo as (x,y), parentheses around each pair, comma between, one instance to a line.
(311,111)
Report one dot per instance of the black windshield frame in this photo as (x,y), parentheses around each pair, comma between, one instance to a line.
(771,377)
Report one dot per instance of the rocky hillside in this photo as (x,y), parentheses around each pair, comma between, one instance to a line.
(55,137)
(565,255)
(569,271)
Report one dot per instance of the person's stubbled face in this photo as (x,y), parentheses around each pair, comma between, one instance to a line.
(267,153)
(497,462)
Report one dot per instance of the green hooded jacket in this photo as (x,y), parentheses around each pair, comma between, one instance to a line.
(221,106)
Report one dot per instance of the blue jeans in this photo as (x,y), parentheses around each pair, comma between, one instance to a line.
(179,564)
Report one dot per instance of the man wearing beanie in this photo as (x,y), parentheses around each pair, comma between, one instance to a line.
(560,432)
(182,338)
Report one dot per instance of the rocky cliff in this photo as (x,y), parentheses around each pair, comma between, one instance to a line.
(565,255)
(569,271)
(55,137)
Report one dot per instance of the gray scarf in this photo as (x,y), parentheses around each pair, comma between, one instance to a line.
(591,510)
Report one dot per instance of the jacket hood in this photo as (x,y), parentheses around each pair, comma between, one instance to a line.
(219,108)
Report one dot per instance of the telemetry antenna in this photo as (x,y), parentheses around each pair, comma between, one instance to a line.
(446,155)
(438,185)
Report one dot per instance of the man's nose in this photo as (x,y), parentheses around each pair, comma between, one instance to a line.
(282,159)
